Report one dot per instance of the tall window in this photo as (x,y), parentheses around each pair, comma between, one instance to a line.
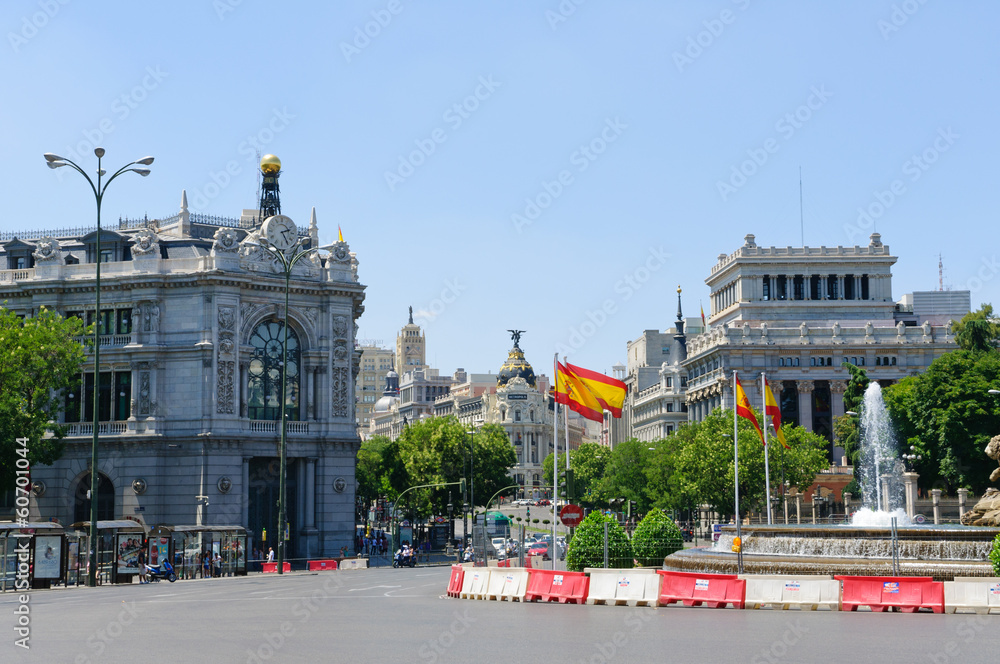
(264,381)
(114,398)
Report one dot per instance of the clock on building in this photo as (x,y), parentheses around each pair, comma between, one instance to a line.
(280,232)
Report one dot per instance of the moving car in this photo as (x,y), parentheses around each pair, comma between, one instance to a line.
(539,549)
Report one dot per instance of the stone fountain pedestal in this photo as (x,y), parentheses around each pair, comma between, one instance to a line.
(986,512)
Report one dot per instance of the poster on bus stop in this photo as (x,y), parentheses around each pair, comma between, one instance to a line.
(48,556)
(127,553)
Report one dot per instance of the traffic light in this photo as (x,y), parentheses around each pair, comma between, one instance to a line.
(461,486)
(566,488)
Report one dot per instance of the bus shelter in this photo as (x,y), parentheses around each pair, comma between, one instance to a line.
(45,545)
(189,546)
(118,545)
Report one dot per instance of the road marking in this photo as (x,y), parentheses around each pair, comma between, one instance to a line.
(371,588)
(167,595)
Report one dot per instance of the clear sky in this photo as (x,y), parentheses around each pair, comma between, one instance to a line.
(555,167)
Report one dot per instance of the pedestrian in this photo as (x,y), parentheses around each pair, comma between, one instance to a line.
(217,571)
(270,554)
(206,565)
(142,564)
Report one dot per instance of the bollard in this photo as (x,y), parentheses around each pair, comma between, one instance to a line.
(910,492)
(936,497)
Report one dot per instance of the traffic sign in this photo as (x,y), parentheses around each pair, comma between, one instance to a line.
(571,515)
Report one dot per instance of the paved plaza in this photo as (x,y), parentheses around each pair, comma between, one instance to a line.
(399,615)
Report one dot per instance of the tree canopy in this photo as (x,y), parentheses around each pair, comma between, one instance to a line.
(977,330)
(41,358)
(588,463)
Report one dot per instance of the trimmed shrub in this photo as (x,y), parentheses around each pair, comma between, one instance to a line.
(995,556)
(587,546)
(655,538)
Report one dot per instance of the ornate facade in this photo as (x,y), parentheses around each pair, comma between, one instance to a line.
(191,361)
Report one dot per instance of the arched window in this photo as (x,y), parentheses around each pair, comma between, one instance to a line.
(105,499)
(264,377)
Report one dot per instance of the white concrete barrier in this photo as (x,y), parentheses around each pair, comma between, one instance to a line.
(803,591)
(476,583)
(631,587)
(978,594)
(508,584)
(353,563)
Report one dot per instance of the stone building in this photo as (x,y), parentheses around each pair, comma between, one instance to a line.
(192,320)
(375,364)
(797,314)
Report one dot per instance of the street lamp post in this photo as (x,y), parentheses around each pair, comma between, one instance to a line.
(55,161)
(288,258)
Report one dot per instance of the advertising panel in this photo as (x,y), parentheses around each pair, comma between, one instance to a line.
(48,556)
(127,553)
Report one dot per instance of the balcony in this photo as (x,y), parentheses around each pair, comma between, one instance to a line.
(106,340)
(103,428)
(10,276)
(271,426)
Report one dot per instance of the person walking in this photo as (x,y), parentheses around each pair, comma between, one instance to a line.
(270,554)
(142,564)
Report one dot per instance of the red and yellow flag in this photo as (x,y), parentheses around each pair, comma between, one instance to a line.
(744,410)
(703,323)
(772,410)
(610,392)
(571,391)
(340,234)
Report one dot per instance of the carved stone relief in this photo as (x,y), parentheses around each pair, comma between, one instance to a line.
(225,403)
(341,386)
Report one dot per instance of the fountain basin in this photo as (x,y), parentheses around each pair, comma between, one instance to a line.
(941,552)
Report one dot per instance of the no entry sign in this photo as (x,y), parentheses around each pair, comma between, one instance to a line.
(571,515)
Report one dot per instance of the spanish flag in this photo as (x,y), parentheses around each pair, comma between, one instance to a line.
(610,392)
(744,410)
(572,392)
(704,325)
(772,410)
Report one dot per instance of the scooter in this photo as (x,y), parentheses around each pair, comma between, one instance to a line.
(162,571)
(404,561)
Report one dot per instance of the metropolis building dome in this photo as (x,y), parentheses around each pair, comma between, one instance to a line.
(516,366)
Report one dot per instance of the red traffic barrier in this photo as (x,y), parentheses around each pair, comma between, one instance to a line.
(879,593)
(455,583)
(272,568)
(551,586)
(317,565)
(694,589)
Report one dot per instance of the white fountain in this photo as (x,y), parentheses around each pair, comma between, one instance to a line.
(880,473)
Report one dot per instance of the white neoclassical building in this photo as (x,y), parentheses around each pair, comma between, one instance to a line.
(192,319)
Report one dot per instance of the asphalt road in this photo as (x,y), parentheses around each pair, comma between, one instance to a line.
(399,615)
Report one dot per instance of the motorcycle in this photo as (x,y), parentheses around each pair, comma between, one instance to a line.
(162,571)
(407,560)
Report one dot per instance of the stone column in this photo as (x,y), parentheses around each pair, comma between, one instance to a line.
(805,388)
(798,508)
(840,287)
(936,497)
(847,504)
(812,503)
(785,501)
(910,492)
(884,481)
(963,496)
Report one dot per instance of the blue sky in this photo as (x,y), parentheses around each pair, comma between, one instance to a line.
(556,167)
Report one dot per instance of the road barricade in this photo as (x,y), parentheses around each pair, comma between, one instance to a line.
(507,584)
(353,563)
(806,592)
(694,589)
(551,586)
(978,594)
(879,593)
(319,565)
(272,568)
(475,583)
(455,583)
(631,587)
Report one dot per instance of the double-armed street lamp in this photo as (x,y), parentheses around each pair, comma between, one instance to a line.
(55,161)
(279,237)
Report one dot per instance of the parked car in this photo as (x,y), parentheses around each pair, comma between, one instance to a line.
(539,549)
(544,502)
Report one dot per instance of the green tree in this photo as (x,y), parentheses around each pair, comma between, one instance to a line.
(847,428)
(586,549)
(40,359)
(625,474)
(655,538)
(588,463)
(977,331)
(495,457)
(948,415)
(703,468)
(380,471)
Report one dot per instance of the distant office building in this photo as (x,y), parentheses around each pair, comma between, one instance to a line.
(375,364)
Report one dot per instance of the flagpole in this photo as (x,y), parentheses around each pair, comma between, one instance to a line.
(767,450)
(736,483)
(555,456)
(555,512)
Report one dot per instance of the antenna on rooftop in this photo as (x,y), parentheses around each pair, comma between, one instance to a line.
(940,273)
(802,228)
